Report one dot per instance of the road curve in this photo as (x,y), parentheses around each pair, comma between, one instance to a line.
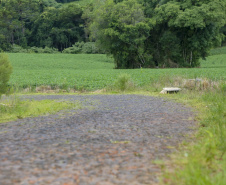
(114,139)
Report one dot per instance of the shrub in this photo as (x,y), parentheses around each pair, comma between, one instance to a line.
(223,87)
(123,83)
(90,48)
(49,50)
(72,50)
(41,50)
(36,50)
(17,49)
(83,47)
(5,72)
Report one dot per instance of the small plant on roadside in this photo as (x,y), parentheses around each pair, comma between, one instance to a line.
(11,106)
(123,83)
(65,86)
(119,142)
(223,87)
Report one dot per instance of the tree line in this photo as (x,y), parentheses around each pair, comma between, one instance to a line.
(137,33)
(40,23)
(164,33)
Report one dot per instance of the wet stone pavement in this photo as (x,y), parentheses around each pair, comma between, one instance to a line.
(113,139)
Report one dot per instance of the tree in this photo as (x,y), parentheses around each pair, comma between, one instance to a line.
(186,30)
(120,29)
(223,31)
(15,19)
(5,72)
(167,33)
(58,27)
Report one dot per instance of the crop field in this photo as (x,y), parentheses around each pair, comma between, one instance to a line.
(96,71)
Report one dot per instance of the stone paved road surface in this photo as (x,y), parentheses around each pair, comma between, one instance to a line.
(114,139)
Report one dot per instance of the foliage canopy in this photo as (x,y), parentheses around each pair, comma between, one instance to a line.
(137,33)
(121,30)
(43,23)
(166,33)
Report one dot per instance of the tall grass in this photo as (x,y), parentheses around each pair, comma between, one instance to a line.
(12,108)
(122,83)
(202,162)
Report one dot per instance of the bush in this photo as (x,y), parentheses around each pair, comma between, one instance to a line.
(72,50)
(123,83)
(34,49)
(5,72)
(83,47)
(17,49)
(41,50)
(49,50)
(90,48)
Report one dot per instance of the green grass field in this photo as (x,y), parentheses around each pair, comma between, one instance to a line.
(92,72)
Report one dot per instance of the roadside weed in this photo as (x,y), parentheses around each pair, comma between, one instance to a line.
(13,108)
(205,159)
(123,83)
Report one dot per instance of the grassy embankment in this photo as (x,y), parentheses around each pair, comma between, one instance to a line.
(13,108)
(201,162)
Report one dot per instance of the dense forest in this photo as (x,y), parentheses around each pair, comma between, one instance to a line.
(137,33)
(43,23)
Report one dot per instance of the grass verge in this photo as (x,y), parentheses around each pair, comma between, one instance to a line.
(13,108)
(202,162)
